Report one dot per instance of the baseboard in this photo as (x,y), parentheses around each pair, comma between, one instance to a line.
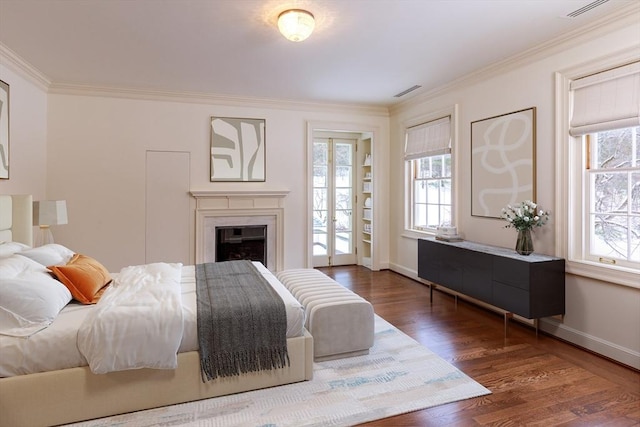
(554,327)
(383,266)
(400,269)
(589,342)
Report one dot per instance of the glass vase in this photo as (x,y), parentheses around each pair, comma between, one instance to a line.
(524,244)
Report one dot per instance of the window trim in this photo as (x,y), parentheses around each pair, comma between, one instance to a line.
(570,159)
(451,111)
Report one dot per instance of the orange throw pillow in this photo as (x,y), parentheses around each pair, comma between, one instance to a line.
(84,277)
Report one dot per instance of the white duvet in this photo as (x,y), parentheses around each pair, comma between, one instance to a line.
(137,323)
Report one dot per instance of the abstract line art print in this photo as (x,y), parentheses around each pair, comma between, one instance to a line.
(237,149)
(503,170)
(4,130)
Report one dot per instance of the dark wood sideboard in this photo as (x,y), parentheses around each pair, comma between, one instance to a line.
(530,286)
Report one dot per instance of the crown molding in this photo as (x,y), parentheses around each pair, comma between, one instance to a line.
(25,69)
(211,99)
(22,67)
(625,16)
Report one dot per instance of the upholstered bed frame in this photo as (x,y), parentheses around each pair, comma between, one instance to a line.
(16,219)
(76,394)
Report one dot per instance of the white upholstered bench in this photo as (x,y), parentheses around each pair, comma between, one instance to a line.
(341,322)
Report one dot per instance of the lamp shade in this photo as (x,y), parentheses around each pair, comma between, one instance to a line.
(296,24)
(50,212)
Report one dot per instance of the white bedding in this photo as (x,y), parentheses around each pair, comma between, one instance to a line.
(138,321)
(56,346)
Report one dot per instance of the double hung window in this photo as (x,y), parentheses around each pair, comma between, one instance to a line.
(612,183)
(429,171)
(602,180)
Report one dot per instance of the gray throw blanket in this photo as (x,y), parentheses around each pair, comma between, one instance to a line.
(242,323)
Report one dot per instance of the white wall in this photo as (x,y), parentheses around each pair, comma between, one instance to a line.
(601,316)
(27,134)
(97,149)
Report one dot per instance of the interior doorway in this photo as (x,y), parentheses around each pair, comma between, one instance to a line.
(334,199)
(340,195)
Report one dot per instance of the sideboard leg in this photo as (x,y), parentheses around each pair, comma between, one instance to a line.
(507,317)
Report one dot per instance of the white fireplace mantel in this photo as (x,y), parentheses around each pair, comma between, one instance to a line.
(240,207)
(203,194)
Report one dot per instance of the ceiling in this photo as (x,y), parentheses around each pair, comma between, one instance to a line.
(362,52)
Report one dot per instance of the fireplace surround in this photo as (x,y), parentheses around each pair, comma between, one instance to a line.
(216,209)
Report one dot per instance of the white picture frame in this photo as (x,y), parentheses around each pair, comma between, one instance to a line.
(4,130)
(238,149)
(503,169)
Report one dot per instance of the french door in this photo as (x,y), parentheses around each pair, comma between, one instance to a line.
(333,201)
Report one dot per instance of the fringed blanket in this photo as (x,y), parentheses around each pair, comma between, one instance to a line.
(242,322)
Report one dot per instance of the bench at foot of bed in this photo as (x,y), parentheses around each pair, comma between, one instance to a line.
(341,322)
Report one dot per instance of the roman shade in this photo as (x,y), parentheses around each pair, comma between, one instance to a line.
(428,139)
(606,100)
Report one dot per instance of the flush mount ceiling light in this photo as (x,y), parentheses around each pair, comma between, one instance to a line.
(296,24)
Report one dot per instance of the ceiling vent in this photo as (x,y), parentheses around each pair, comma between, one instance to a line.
(586,8)
(404,92)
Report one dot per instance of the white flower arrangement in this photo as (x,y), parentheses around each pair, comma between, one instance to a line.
(524,216)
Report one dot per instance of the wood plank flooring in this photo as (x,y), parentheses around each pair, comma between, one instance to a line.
(535,381)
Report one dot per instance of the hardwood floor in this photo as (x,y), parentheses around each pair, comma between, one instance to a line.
(538,381)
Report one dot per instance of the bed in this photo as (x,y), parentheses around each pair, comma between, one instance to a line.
(49,393)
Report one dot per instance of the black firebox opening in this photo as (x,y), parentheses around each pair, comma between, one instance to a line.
(244,242)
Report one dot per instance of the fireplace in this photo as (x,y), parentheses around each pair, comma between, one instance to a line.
(245,210)
(242,242)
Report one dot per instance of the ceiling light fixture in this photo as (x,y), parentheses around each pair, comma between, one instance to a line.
(296,24)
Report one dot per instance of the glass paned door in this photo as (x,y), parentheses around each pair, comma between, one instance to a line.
(333,202)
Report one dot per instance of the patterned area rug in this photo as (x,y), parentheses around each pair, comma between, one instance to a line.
(398,375)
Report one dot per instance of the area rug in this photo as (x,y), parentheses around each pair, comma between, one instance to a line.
(397,376)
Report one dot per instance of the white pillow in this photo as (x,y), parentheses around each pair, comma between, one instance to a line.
(10,248)
(50,254)
(30,299)
(16,265)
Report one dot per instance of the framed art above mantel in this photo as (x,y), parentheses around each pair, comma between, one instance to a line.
(237,149)
(503,169)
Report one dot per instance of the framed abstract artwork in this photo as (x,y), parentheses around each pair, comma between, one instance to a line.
(4,130)
(237,149)
(503,170)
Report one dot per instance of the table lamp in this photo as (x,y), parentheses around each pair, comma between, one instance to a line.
(45,214)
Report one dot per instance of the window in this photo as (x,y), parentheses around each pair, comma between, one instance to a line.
(612,180)
(431,190)
(598,169)
(429,169)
